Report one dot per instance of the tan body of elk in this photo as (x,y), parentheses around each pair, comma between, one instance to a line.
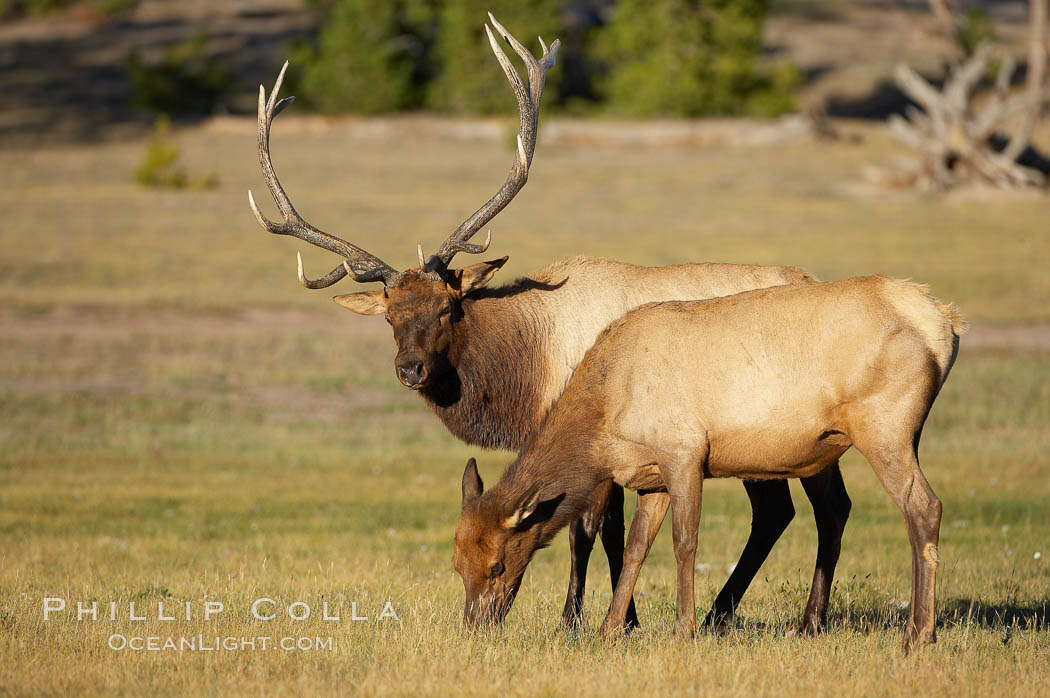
(773,383)
(491,361)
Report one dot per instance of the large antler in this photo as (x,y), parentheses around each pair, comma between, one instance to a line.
(529,106)
(361,265)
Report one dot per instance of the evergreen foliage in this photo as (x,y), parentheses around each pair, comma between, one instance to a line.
(369,57)
(681,58)
(469,79)
(689,58)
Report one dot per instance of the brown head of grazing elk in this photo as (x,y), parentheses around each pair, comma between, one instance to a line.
(491,361)
(780,383)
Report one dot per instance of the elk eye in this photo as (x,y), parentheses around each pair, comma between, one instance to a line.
(497,570)
(387,318)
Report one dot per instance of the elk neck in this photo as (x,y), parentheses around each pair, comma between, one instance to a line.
(490,392)
(564,454)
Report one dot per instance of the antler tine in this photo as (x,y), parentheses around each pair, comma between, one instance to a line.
(362,266)
(537,69)
(528,98)
(320,282)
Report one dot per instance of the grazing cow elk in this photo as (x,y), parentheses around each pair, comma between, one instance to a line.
(491,362)
(780,382)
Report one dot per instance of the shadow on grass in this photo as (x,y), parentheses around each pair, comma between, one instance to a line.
(1033,615)
(1006,617)
(953,613)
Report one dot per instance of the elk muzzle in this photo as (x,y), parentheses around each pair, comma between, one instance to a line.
(486,610)
(411,371)
(488,603)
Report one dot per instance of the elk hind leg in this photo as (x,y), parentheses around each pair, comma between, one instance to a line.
(771,512)
(898,470)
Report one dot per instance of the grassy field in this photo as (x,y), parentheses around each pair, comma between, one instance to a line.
(182,422)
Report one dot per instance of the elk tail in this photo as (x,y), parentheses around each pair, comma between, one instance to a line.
(959,324)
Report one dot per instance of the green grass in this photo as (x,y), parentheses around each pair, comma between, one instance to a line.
(180,421)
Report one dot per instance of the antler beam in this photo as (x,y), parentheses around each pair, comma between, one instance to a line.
(529,107)
(362,266)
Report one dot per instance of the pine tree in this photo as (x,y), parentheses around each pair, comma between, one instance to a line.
(469,78)
(684,57)
(370,57)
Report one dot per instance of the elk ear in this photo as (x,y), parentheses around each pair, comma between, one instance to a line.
(472,484)
(365,302)
(526,506)
(463,281)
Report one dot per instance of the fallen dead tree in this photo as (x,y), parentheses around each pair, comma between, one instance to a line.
(961,143)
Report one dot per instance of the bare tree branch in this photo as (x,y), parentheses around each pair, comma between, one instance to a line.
(1037,21)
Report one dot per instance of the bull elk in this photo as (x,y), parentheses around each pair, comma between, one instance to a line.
(491,361)
(780,382)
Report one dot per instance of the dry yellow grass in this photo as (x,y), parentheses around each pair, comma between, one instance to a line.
(182,422)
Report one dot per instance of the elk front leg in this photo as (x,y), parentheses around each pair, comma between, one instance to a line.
(685,487)
(582,533)
(771,512)
(831,507)
(652,507)
(612,542)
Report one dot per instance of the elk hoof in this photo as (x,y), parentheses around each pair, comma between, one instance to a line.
(717,623)
(812,626)
(684,631)
(611,632)
(915,639)
(572,620)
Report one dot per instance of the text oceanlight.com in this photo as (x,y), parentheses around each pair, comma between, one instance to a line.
(200,643)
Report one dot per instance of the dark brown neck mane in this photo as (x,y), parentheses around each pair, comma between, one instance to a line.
(488,394)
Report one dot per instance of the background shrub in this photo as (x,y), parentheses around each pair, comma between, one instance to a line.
(974,28)
(187,80)
(689,58)
(368,57)
(160,163)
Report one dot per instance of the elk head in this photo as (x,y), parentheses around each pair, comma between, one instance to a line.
(420,303)
(495,540)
